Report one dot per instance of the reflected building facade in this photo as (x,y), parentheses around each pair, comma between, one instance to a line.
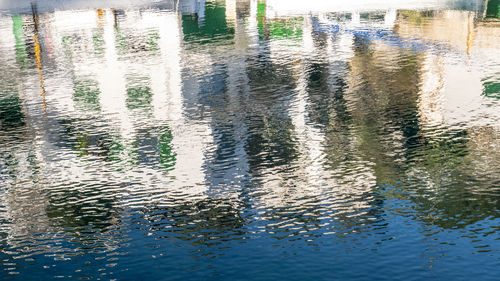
(243,107)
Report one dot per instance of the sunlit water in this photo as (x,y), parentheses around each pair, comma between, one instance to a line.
(250,140)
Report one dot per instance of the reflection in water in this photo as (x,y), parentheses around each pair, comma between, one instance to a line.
(246,139)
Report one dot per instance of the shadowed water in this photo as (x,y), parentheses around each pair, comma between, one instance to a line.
(249,140)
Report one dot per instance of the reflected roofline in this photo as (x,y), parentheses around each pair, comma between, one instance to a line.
(47,6)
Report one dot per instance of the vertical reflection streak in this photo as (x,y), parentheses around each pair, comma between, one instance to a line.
(111,78)
(190,137)
(38,56)
(309,139)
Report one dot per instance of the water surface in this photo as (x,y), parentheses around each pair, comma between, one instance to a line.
(249,140)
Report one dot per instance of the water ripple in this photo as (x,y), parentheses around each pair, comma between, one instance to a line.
(244,140)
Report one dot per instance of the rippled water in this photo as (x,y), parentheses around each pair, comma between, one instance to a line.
(250,140)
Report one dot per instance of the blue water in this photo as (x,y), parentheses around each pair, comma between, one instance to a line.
(249,140)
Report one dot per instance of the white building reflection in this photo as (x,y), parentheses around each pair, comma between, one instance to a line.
(155,83)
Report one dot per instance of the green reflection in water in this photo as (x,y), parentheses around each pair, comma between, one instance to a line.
(138,97)
(493,9)
(79,135)
(261,18)
(152,41)
(121,42)
(215,27)
(128,43)
(86,94)
(67,41)
(167,155)
(286,29)
(98,41)
(21,54)
(115,150)
(491,89)
(11,115)
(81,145)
